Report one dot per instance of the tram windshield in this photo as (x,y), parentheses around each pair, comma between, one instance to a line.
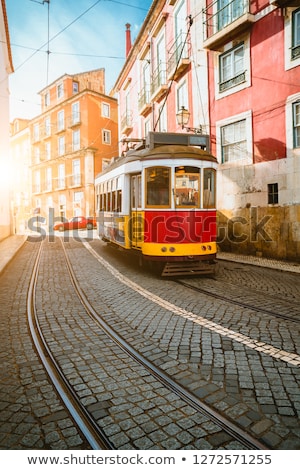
(158,186)
(187,186)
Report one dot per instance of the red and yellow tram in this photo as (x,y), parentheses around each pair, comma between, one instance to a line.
(159,201)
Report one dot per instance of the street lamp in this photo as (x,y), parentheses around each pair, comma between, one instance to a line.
(183,117)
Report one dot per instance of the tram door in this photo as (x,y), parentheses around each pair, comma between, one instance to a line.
(136,219)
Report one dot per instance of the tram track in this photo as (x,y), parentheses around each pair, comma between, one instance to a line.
(85,421)
(294,309)
(82,418)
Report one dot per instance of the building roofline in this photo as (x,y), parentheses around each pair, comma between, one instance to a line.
(144,27)
(71,75)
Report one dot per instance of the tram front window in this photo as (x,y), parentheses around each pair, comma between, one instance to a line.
(158,186)
(187,183)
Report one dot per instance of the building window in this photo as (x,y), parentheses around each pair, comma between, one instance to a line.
(78,199)
(234,141)
(75,87)
(61,176)
(61,120)
(75,113)
(36,132)
(37,182)
(295,34)
(61,145)
(76,140)
(105,110)
(48,179)
(37,155)
(273,193)
(296,124)
(60,91)
(162,122)
(182,96)
(48,150)
(47,98)
(47,127)
(76,172)
(232,69)
(106,137)
(229,11)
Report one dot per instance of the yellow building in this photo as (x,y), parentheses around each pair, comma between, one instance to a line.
(71,141)
(20,191)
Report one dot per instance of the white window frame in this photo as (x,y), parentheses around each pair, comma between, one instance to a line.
(248,158)
(76,139)
(247,68)
(48,178)
(48,150)
(61,120)
(76,171)
(47,126)
(105,110)
(60,90)
(76,112)
(47,98)
(36,132)
(61,176)
(290,149)
(106,137)
(182,95)
(288,35)
(61,145)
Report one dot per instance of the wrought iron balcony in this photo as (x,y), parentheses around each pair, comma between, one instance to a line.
(224,20)
(159,83)
(178,57)
(126,122)
(144,100)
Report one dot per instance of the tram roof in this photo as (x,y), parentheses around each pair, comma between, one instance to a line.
(170,152)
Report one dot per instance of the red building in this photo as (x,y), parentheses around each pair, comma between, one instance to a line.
(254,106)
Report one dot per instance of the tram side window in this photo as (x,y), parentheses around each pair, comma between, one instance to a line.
(187,184)
(209,188)
(117,200)
(158,186)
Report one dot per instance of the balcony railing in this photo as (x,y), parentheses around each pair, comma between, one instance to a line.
(223,18)
(178,57)
(144,100)
(159,83)
(126,122)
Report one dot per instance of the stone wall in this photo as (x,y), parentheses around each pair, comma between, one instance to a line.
(272,231)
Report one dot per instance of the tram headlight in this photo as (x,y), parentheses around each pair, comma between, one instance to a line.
(203,248)
(172,249)
(163,249)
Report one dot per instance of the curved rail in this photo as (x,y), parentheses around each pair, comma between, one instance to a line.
(234,431)
(237,302)
(85,422)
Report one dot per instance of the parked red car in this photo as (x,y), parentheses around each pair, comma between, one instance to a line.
(76,223)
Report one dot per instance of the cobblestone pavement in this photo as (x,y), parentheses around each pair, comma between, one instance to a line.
(255,389)
(31,415)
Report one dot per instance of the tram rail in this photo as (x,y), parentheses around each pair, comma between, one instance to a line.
(294,315)
(82,418)
(85,421)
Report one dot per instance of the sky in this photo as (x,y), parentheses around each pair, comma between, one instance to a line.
(83,35)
